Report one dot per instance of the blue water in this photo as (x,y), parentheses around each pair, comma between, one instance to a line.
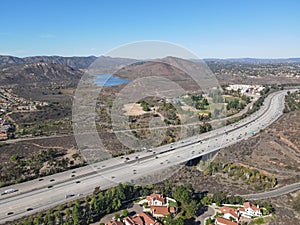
(108,80)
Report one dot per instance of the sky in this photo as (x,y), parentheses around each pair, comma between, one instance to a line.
(209,28)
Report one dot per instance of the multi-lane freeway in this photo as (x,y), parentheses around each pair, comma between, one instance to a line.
(39,194)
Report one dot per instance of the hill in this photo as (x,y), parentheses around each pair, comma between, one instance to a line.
(40,72)
(74,62)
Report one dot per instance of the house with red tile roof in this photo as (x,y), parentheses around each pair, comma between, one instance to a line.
(128,221)
(156,199)
(115,223)
(229,213)
(251,209)
(160,211)
(159,205)
(140,219)
(148,219)
(223,221)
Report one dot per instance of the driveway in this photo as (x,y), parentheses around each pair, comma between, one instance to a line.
(210,211)
(132,210)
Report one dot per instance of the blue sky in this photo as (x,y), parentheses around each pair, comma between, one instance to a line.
(210,28)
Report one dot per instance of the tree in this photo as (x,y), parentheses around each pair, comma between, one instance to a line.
(58,217)
(49,218)
(219,198)
(117,216)
(14,157)
(191,208)
(116,204)
(170,220)
(209,221)
(125,213)
(182,194)
(76,214)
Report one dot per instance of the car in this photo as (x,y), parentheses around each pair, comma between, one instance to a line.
(127,158)
(41,179)
(50,186)
(10,213)
(52,180)
(29,209)
(8,191)
(77,182)
(69,195)
(73,175)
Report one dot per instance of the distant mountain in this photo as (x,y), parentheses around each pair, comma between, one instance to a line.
(38,73)
(7,60)
(106,64)
(74,62)
(254,60)
(168,68)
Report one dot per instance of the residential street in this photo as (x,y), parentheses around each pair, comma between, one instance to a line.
(208,213)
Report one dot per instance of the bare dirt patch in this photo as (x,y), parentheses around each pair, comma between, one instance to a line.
(133,109)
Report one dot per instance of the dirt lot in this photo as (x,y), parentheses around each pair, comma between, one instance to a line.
(29,159)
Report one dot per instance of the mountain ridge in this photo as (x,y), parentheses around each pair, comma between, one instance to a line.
(83,62)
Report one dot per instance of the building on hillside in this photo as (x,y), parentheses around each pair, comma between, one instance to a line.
(156,199)
(160,205)
(115,223)
(223,221)
(141,219)
(161,211)
(230,213)
(251,209)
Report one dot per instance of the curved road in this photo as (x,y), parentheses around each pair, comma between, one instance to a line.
(50,191)
(274,193)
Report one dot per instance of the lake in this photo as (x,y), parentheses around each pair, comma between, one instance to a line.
(108,80)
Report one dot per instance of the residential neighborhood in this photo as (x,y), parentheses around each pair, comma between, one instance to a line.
(155,207)
(235,215)
(246,89)
(9,102)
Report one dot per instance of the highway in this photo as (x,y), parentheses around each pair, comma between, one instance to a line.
(39,194)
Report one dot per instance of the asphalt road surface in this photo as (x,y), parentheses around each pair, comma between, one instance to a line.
(39,194)
(274,193)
